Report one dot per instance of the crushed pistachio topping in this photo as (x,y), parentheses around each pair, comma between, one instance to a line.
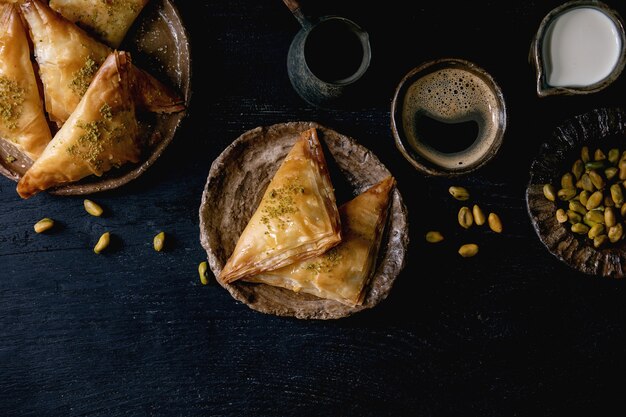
(281,204)
(120,4)
(10,159)
(82,78)
(89,146)
(97,135)
(11,100)
(105,111)
(327,262)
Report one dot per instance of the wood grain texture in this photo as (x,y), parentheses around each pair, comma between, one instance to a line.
(132,332)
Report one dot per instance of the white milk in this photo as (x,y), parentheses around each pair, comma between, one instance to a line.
(581,47)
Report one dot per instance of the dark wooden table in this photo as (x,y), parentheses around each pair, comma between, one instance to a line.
(512,331)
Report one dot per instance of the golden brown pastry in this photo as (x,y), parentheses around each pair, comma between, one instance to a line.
(152,95)
(108,20)
(100,134)
(296,219)
(22,118)
(68,58)
(342,273)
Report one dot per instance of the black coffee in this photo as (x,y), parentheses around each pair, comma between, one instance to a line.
(333,51)
(445,137)
(467,107)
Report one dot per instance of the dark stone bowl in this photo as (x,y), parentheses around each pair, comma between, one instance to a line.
(605,128)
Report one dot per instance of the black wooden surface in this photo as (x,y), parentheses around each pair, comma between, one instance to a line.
(133,332)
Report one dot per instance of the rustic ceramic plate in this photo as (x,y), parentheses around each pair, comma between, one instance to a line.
(603,128)
(235,185)
(158,43)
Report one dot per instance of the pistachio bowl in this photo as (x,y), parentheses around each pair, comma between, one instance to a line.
(579,48)
(602,128)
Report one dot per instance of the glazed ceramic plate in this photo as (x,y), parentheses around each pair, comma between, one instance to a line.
(158,43)
(603,128)
(236,183)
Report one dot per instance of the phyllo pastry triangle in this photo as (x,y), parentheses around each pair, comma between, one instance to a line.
(101,133)
(296,219)
(22,118)
(68,58)
(108,20)
(343,272)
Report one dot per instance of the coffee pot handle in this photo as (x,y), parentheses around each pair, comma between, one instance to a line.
(296,10)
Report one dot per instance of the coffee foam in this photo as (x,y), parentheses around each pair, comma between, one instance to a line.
(452,96)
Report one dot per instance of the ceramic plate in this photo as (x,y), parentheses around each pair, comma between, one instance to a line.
(236,183)
(158,43)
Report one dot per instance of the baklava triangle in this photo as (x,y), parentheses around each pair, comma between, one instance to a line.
(68,58)
(22,118)
(296,219)
(102,132)
(108,20)
(343,272)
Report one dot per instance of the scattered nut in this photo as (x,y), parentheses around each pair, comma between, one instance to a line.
(460,193)
(561,216)
(479,215)
(616,233)
(599,241)
(610,219)
(159,241)
(43,225)
(584,154)
(550,192)
(566,194)
(466,219)
(495,223)
(468,250)
(434,236)
(580,228)
(92,208)
(202,269)
(578,168)
(103,242)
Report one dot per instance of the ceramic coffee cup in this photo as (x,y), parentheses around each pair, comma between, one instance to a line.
(448,117)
